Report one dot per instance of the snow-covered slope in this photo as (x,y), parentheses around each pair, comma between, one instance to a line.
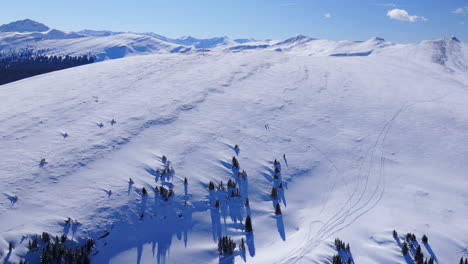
(371,143)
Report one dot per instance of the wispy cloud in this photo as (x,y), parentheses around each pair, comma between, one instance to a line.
(403,15)
(461,10)
(327,15)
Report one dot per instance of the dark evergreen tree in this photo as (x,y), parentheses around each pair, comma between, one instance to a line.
(248,224)
(418,256)
(217,204)
(211,186)
(235,163)
(242,245)
(277,209)
(395,234)
(144,191)
(274,193)
(404,248)
(425,239)
(185,181)
(247,203)
(45,237)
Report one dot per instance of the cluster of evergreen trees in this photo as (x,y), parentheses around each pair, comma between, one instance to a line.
(226,246)
(344,253)
(274,189)
(340,245)
(231,196)
(411,246)
(17,65)
(336,259)
(463,262)
(58,250)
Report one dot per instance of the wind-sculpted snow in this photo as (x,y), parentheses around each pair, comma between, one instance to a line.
(365,145)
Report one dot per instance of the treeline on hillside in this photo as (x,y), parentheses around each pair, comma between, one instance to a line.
(17,65)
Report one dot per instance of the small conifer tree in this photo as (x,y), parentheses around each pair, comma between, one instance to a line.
(248,224)
(277,209)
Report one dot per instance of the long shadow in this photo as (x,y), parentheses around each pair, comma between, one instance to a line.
(235,209)
(130,184)
(225,164)
(144,200)
(227,259)
(6,260)
(250,240)
(431,252)
(267,176)
(13,199)
(155,234)
(346,256)
(215,223)
(282,196)
(153,172)
(280,227)
(407,257)
(139,253)
(66,229)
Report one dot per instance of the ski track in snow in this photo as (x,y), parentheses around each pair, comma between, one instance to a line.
(361,192)
(338,221)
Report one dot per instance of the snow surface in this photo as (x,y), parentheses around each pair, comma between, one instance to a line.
(372,143)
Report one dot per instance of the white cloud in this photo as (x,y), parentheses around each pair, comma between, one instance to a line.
(461,10)
(403,15)
(327,15)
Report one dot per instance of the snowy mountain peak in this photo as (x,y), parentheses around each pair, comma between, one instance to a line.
(454,39)
(295,39)
(377,39)
(26,25)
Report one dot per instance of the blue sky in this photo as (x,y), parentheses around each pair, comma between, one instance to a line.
(412,21)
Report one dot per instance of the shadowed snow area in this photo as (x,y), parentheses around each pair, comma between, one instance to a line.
(371,143)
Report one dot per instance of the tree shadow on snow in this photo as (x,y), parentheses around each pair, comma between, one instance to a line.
(431,252)
(250,241)
(407,257)
(12,198)
(155,232)
(280,227)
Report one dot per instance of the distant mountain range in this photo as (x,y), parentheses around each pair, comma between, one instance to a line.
(104,44)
